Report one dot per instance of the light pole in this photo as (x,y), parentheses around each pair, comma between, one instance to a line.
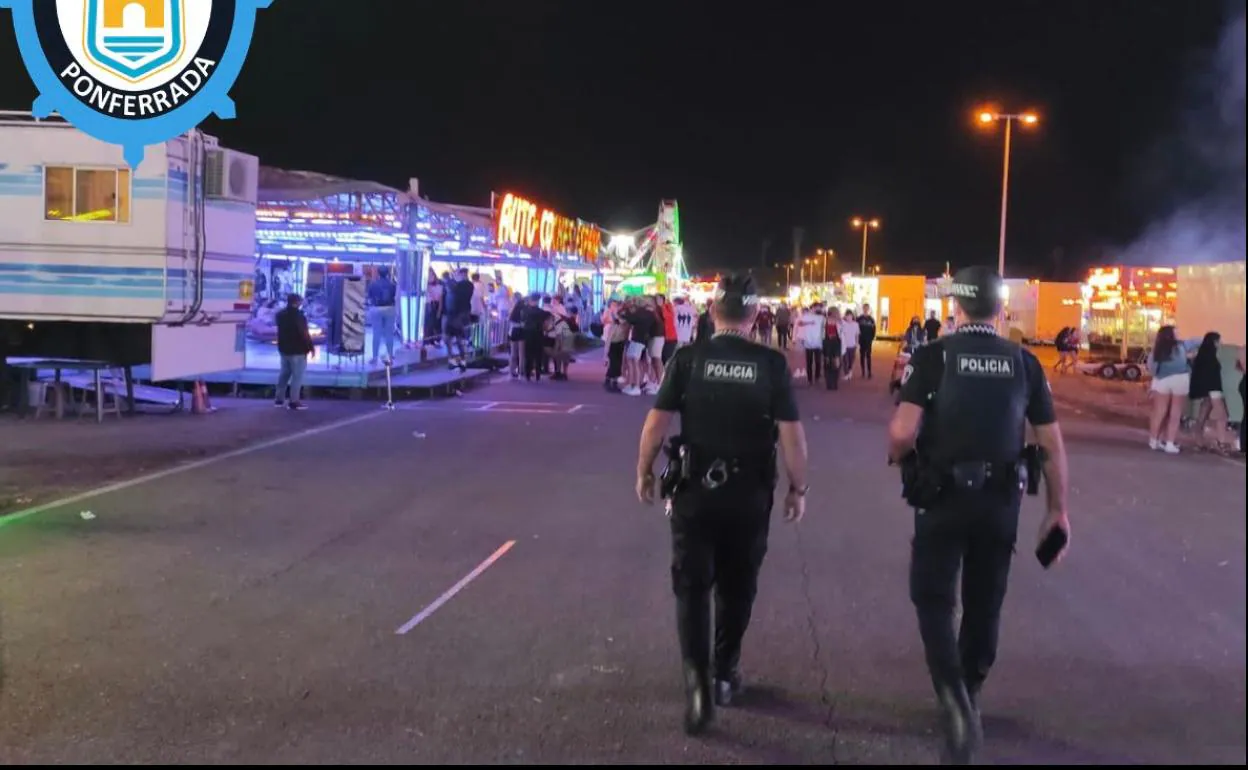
(987,118)
(788,271)
(825,255)
(867,225)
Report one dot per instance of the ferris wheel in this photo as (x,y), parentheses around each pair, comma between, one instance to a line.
(655,250)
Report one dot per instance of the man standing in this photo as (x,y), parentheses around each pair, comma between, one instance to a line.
(784,325)
(959,433)
(456,318)
(294,345)
(866,338)
(735,399)
(931,327)
(686,318)
(382,294)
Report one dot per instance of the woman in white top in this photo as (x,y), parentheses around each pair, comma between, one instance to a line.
(850,330)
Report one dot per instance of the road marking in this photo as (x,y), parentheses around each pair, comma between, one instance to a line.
(424,614)
(488,406)
(196,465)
(576,409)
(511,410)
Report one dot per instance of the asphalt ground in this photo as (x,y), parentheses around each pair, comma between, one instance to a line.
(246,610)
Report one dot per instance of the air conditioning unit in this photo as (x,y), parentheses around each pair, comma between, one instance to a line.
(232,176)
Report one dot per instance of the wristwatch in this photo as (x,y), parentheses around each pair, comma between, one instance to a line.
(799,491)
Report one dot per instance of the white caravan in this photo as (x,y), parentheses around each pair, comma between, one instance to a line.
(99,262)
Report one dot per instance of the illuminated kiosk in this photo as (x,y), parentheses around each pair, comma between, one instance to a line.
(563,253)
(309,227)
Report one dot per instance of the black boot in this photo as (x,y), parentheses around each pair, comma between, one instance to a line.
(699,708)
(960,722)
(727,687)
(732,619)
(693,625)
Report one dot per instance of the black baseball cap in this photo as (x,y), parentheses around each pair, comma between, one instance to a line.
(978,291)
(736,292)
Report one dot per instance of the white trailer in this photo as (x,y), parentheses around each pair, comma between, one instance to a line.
(100,262)
(1212,298)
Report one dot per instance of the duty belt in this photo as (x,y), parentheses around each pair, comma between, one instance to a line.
(719,471)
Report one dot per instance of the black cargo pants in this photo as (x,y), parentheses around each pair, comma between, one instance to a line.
(719,540)
(973,532)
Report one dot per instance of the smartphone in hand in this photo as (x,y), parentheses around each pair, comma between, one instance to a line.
(1052,546)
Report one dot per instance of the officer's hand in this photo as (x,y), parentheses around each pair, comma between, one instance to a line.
(645,488)
(794,507)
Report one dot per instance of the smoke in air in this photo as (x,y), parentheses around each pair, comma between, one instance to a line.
(1206,224)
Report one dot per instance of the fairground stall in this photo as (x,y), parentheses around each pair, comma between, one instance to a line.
(450,237)
(563,254)
(1126,306)
(893,299)
(326,238)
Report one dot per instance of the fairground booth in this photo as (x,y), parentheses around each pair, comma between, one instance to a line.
(325,238)
(562,254)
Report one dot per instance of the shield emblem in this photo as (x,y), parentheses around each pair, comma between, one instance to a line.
(135,39)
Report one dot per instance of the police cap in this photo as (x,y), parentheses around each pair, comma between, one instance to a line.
(736,294)
(978,291)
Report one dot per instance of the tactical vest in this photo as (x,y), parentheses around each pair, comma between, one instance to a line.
(979,409)
(727,409)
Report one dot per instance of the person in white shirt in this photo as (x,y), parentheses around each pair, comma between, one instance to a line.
(810,332)
(850,331)
(686,320)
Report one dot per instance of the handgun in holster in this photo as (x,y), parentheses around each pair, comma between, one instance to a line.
(676,471)
(1032,467)
(921,484)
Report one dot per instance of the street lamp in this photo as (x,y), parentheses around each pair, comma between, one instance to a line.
(867,225)
(825,255)
(987,118)
(788,270)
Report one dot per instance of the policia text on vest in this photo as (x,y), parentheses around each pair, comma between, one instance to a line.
(734,398)
(960,427)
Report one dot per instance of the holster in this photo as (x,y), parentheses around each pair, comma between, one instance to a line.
(676,472)
(921,484)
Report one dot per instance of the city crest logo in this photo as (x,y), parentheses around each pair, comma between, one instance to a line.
(134,72)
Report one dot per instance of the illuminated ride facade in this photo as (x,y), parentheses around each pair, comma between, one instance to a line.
(562,255)
(312,226)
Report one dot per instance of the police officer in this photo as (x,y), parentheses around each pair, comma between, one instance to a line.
(735,399)
(960,430)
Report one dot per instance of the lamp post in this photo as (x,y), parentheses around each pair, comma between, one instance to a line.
(987,118)
(825,255)
(788,271)
(866,225)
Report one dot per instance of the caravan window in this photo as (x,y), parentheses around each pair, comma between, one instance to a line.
(86,194)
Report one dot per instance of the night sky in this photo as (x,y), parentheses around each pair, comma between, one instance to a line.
(769,117)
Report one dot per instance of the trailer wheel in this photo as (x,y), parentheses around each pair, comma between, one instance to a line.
(1108,372)
(1131,373)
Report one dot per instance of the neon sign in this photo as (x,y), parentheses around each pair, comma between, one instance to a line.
(521,223)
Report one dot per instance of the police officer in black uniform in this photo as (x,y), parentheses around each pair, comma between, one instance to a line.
(959,433)
(735,400)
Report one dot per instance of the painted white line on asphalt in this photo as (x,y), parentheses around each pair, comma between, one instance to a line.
(488,406)
(424,614)
(157,475)
(526,411)
(576,409)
